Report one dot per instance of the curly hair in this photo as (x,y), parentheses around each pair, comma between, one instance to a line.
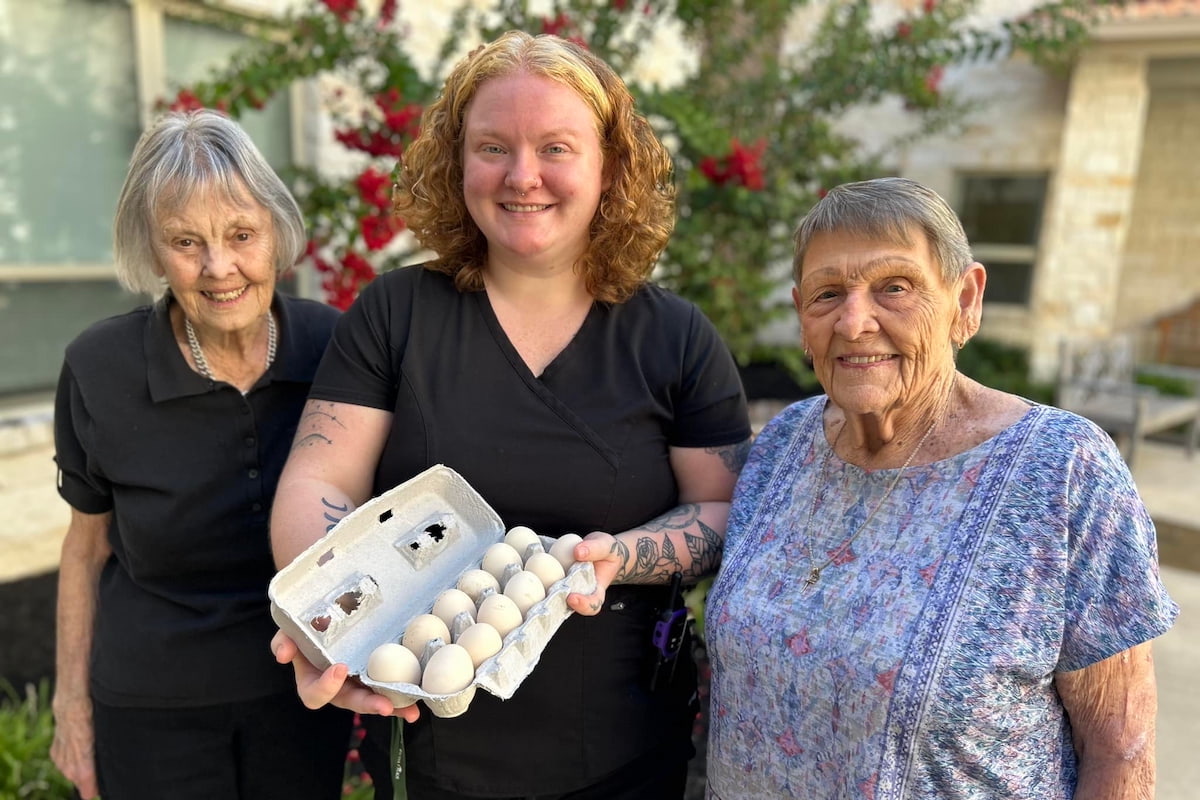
(636,213)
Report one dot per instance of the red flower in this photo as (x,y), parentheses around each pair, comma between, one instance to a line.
(342,286)
(744,164)
(713,170)
(186,100)
(342,9)
(387,12)
(378,230)
(933,78)
(620,5)
(928,6)
(557,25)
(399,117)
(375,188)
(377,143)
(903,30)
(741,166)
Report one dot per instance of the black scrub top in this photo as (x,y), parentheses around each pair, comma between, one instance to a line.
(583,447)
(188,467)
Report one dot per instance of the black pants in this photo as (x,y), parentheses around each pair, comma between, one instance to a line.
(659,775)
(267,749)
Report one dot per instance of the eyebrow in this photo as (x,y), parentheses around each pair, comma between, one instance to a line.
(556,133)
(873,264)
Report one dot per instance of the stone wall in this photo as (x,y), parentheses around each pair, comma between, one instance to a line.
(1161,266)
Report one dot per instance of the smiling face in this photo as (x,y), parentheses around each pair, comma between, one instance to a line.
(524,133)
(879,319)
(217,255)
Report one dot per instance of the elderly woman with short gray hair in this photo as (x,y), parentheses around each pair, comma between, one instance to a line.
(931,588)
(172,424)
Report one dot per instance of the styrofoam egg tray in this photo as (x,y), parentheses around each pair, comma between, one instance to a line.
(385,563)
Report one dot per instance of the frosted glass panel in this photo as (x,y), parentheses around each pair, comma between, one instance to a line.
(194,50)
(37,320)
(68,122)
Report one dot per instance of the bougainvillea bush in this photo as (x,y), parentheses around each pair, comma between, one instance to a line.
(752,119)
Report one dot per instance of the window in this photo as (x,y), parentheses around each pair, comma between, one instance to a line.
(1002,215)
(73,87)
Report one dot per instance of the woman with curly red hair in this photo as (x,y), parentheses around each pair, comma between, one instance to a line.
(533,355)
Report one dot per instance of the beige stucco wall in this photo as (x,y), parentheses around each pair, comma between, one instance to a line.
(1161,265)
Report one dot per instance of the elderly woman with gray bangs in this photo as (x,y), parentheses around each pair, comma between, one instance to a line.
(172,425)
(931,588)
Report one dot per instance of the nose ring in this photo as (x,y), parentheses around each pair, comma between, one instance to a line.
(522,194)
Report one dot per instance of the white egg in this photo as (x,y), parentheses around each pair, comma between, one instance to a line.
(449,670)
(520,538)
(475,582)
(498,557)
(525,589)
(423,629)
(546,567)
(500,612)
(481,640)
(564,549)
(509,571)
(452,602)
(393,663)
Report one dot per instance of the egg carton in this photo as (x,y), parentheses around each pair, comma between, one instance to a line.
(385,563)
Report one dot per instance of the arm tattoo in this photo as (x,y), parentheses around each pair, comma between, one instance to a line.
(333,520)
(309,439)
(314,419)
(733,455)
(655,563)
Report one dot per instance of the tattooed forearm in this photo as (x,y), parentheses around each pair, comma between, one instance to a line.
(656,557)
(705,549)
(332,519)
(676,519)
(733,455)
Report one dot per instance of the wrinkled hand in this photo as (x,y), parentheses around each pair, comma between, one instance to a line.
(73,750)
(317,688)
(597,548)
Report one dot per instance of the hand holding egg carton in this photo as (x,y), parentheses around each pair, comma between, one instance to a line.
(432,598)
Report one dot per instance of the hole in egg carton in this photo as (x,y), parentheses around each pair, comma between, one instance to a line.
(425,541)
(344,606)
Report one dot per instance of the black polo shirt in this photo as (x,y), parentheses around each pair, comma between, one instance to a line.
(188,467)
(584,446)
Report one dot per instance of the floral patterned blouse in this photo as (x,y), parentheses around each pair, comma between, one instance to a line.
(921,664)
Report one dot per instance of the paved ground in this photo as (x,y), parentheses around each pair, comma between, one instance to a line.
(35,518)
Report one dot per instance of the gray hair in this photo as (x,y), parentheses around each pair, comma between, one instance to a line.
(888,208)
(181,153)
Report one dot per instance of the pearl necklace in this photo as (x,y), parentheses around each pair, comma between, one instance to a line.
(814,569)
(202,362)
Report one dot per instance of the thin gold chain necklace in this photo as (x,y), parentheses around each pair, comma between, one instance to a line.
(814,569)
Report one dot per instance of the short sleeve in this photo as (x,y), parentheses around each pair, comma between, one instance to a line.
(78,481)
(711,408)
(361,363)
(1115,598)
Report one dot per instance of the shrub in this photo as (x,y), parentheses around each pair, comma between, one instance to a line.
(1002,367)
(26,732)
